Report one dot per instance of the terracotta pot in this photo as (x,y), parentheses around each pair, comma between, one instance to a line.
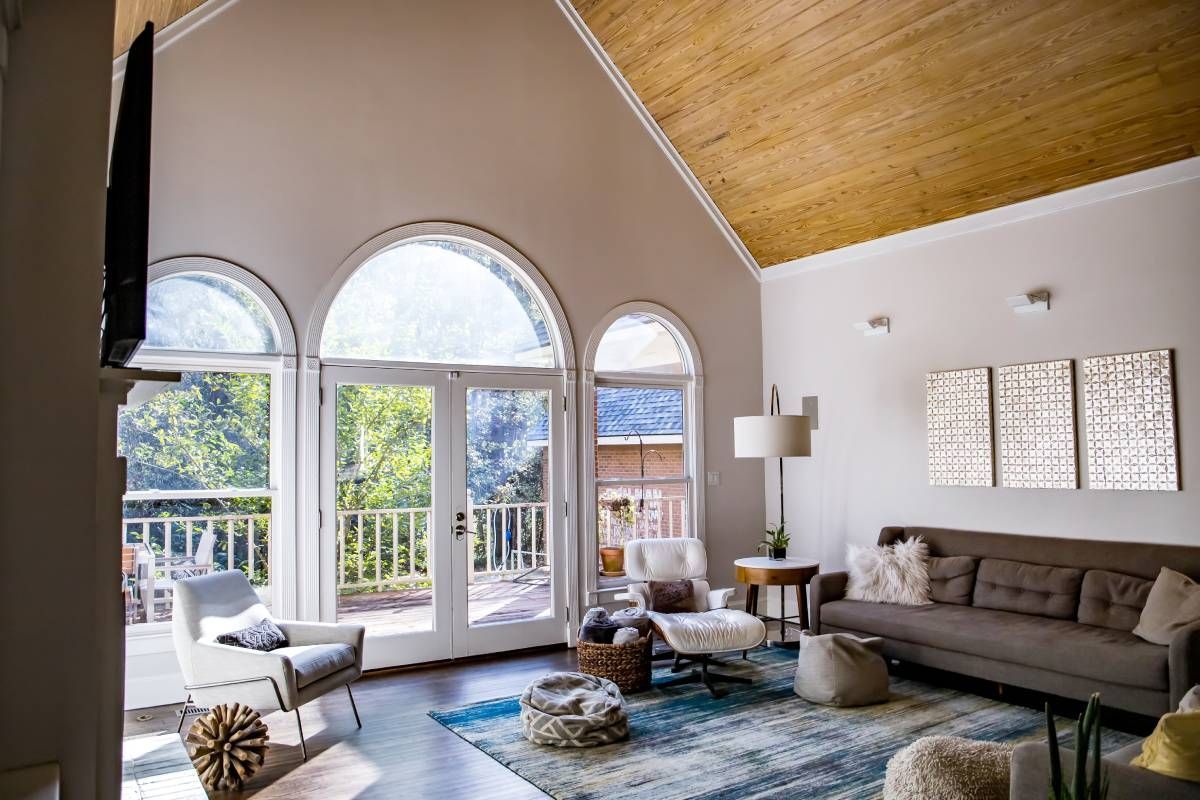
(612,561)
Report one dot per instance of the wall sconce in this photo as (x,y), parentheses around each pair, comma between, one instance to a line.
(1031,303)
(874,327)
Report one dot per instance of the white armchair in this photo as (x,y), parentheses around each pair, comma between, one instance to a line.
(318,657)
(694,636)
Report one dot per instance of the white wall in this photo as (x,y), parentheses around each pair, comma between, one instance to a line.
(287,133)
(1124,276)
(52,178)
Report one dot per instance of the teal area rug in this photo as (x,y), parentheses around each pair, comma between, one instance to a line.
(759,741)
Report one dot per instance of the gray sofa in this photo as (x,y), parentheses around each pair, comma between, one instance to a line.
(1052,615)
(1030,775)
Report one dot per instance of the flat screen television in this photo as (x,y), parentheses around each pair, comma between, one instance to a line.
(127,220)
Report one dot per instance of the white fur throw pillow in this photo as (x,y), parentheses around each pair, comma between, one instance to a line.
(898,573)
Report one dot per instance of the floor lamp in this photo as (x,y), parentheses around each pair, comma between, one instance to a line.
(777,435)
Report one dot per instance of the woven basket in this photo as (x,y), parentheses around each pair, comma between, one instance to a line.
(626,665)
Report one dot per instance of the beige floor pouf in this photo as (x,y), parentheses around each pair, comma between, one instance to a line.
(949,768)
(837,669)
(571,709)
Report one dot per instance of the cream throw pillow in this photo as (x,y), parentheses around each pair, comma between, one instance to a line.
(1174,603)
(897,573)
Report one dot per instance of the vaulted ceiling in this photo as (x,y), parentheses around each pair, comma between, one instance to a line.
(815,124)
(132,16)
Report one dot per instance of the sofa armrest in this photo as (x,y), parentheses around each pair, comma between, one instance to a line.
(1183,662)
(1029,778)
(824,588)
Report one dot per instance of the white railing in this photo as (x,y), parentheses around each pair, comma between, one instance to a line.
(162,536)
(654,515)
(387,548)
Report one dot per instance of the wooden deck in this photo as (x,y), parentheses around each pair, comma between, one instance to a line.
(410,610)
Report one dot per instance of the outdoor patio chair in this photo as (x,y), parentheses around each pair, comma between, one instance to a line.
(318,657)
(156,575)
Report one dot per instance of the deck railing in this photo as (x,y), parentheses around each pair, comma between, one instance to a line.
(654,512)
(388,548)
(240,541)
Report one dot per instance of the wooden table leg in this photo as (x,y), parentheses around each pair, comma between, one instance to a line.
(752,598)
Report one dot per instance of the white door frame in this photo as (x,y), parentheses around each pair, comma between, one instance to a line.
(451,635)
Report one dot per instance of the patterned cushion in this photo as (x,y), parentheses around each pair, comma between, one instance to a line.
(1027,588)
(264,636)
(570,709)
(952,579)
(672,597)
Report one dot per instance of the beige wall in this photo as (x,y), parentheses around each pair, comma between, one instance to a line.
(1124,276)
(52,177)
(288,133)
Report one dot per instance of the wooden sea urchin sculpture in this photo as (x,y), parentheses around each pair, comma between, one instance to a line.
(229,744)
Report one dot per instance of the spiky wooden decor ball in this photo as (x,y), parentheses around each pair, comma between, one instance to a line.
(229,744)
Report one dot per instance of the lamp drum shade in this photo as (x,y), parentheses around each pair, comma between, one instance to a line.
(776,436)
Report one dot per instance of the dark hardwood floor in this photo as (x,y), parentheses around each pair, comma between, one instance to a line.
(400,752)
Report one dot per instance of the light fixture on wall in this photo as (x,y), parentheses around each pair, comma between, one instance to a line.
(874,327)
(1029,303)
(777,435)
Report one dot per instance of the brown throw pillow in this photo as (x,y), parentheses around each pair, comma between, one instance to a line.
(952,579)
(1174,603)
(672,597)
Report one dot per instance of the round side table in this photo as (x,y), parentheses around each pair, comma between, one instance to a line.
(761,571)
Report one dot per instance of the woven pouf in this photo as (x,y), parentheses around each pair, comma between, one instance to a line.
(949,768)
(570,709)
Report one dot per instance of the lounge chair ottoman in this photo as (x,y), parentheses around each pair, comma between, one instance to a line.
(570,709)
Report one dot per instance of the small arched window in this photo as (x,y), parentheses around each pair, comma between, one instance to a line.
(640,343)
(438,300)
(646,454)
(208,313)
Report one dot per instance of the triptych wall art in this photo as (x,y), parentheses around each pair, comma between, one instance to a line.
(1129,411)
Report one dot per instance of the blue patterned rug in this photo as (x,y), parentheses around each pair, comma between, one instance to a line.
(759,741)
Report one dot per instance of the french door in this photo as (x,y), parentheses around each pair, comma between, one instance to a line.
(442,512)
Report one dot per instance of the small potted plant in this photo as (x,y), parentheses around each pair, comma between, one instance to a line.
(775,543)
(617,523)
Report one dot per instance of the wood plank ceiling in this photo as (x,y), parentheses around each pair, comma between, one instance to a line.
(132,16)
(816,124)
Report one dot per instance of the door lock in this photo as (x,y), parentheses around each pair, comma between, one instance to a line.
(460,527)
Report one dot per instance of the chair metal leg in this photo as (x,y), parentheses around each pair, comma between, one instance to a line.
(353,706)
(702,675)
(303,748)
(183,713)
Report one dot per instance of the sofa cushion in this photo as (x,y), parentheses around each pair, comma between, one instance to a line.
(1112,599)
(1062,646)
(315,661)
(1027,588)
(1173,604)
(952,579)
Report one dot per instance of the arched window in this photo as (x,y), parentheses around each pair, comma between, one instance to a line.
(438,300)
(204,491)
(646,455)
(206,312)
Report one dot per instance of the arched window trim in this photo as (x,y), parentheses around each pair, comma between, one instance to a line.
(281,323)
(281,367)
(692,383)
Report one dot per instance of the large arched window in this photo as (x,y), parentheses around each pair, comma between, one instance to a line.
(204,457)
(645,455)
(438,300)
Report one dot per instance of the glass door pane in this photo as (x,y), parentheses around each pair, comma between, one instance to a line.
(508,472)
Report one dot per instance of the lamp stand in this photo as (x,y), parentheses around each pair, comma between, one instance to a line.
(776,408)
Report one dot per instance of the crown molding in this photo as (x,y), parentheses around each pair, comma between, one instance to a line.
(169,34)
(656,133)
(1154,178)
